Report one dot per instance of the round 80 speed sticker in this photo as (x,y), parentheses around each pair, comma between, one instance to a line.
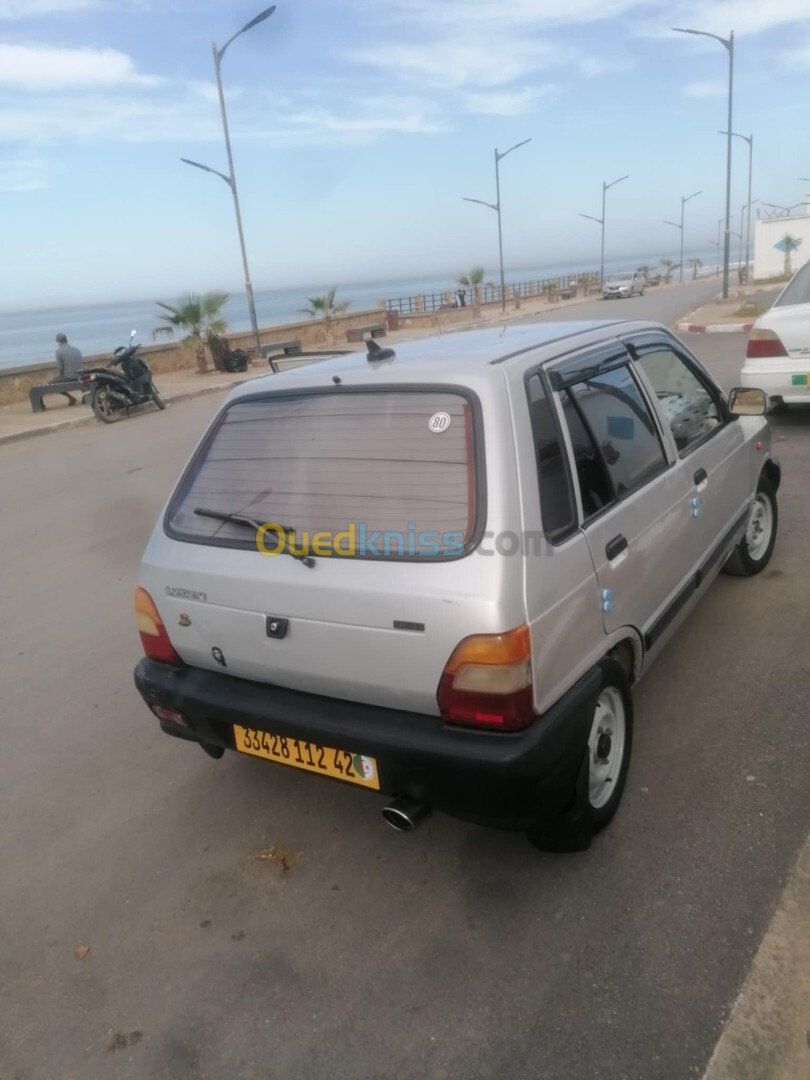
(439,422)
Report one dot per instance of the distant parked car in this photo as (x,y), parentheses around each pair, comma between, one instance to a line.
(620,285)
(778,353)
(654,278)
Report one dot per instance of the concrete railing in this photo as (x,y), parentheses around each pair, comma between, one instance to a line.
(15,382)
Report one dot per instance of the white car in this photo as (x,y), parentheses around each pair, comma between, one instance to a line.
(624,285)
(778,354)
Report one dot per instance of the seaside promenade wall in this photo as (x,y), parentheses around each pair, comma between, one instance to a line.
(15,382)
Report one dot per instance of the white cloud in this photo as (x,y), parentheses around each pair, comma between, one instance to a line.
(506,14)
(506,102)
(44,67)
(26,173)
(29,9)
(721,16)
(798,56)
(707,89)
(454,62)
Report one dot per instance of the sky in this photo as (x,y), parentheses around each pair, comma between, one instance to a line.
(358,127)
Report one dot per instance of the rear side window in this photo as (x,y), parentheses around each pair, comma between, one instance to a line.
(556,501)
(612,407)
(397,468)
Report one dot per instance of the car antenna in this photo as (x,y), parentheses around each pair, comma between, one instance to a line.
(376,352)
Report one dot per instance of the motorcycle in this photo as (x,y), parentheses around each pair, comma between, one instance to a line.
(112,393)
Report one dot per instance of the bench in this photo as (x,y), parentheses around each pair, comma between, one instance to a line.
(358,333)
(37,393)
(278,349)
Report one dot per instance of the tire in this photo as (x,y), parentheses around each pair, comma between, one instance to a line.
(600,783)
(776,406)
(104,406)
(157,399)
(753,553)
(610,745)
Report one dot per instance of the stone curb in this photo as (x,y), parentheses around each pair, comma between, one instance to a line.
(81,421)
(718,328)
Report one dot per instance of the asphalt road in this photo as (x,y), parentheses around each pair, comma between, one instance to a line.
(243,920)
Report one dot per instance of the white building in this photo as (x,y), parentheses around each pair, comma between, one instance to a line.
(769,247)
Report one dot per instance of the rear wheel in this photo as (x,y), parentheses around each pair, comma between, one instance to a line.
(776,406)
(603,773)
(106,408)
(753,553)
(609,745)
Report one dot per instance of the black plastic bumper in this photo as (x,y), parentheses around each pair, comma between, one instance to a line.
(515,780)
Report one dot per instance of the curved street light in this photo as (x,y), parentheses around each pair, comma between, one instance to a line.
(750,140)
(728,45)
(601,221)
(230,179)
(684,200)
(496,206)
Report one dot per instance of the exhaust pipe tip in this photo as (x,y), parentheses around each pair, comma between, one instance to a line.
(406,814)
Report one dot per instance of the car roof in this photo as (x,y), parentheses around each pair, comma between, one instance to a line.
(453,354)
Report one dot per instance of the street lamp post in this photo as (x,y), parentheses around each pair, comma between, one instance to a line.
(601,222)
(684,200)
(750,140)
(728,44)
(230,179)
(496,206)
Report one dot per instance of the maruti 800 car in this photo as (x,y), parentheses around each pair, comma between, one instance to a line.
(436,574)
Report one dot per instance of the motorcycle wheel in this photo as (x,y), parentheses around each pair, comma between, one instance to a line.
(157,399)
(105,407)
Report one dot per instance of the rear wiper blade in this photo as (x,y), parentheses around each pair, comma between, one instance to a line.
(251,523)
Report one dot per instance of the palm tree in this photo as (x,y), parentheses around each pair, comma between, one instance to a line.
(667,265)
(324,307)
(473,281)
(696,265)
(199,315)
(789,244)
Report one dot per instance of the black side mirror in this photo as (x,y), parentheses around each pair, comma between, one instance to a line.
(747,401)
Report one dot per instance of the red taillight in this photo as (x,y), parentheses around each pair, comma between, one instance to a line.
(155,640)
(487,682)
(764,343)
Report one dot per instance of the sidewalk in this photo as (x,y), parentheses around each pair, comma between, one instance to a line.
(735,315)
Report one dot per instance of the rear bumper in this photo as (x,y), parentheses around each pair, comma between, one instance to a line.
(779,378)
(516,780)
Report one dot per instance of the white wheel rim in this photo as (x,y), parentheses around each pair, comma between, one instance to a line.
(606,746)
(760,527)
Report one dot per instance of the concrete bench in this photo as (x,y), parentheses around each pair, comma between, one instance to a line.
(37,393)
(278,349)
(358,333)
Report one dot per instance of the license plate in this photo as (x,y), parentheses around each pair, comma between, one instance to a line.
(799,380)
(341,764)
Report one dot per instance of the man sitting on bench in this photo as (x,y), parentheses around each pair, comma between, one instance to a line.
(70,362)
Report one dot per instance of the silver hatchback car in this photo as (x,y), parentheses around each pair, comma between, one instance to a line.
(437,574)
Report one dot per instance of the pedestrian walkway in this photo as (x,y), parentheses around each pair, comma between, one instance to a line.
(735,315)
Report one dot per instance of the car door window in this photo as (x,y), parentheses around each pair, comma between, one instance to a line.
(690,407)
(622,427)
(592,478)
(556,497)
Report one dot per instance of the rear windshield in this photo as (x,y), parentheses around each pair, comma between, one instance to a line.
(339,473)
(797,291)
